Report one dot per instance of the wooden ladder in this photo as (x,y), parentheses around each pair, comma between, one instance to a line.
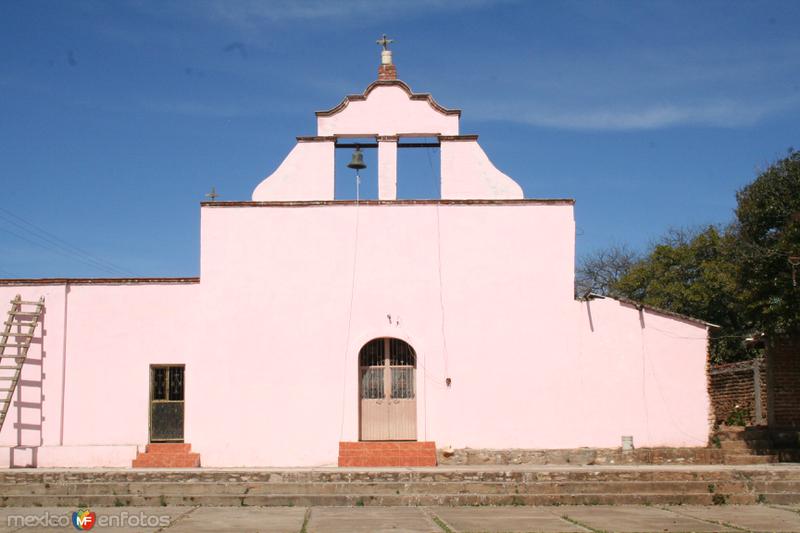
(18,318)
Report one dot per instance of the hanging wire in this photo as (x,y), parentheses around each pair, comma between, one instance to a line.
(350,307)
(8,273)
(667,404)
(644,381)
(38,236)
(445,354)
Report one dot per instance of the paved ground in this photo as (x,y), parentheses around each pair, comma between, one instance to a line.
(564,519)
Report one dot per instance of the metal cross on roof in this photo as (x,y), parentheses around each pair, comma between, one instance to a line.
(384,42)
(213,194)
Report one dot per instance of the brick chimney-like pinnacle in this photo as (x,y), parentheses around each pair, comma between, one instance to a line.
(387,71)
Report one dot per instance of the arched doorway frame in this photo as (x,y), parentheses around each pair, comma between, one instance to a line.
(388,389)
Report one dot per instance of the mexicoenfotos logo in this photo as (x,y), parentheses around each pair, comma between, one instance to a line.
(83,519)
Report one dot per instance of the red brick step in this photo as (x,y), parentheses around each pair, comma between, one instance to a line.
(168,447)
(387,453)
(167,455)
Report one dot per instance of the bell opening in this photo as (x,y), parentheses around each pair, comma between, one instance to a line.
(419,174)
(345,175)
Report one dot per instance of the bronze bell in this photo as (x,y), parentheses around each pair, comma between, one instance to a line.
(357,162)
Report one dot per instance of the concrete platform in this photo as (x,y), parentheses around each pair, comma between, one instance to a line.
(507,519)
(564,519)
(748,517)
(216,519)
(630,519)
(370,520)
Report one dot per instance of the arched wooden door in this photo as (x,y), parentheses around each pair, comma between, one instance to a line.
(387,368)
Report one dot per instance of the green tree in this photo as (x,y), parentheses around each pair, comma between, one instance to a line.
(694,273)
(768,227)
(740,277)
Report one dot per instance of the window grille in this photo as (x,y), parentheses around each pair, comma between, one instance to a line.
(401,353)
(166,403)
(372,353)
(403,383)
(387,363)
(159,383)
(176,383)
(372,384)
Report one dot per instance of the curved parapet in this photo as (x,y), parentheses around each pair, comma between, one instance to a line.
(388,108)
(307,173)
(467,172)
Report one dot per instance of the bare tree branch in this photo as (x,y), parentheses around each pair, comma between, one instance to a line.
(599,271)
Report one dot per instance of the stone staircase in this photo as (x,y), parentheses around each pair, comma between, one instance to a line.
(507,485)
(758,445)
(167,455)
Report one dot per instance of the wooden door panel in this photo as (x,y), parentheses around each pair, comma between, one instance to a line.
(402,419)
(374,407)
(374,420)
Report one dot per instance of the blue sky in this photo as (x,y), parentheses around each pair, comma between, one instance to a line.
(116,117)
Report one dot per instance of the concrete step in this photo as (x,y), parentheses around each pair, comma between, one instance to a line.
(582,456)
(775,487)
(400,475)
(777,437)
(390,488)
(390,500)
(750,459)
(424,486)
(746,445)
(788,438)
(779,498)
(746,434)
(788,455)
(730,433)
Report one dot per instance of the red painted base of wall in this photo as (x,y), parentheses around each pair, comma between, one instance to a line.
(385,453)
(167,455)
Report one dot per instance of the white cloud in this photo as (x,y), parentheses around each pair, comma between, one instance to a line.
(643,117)
(248,13)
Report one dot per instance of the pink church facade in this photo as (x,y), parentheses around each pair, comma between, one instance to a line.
(295,285)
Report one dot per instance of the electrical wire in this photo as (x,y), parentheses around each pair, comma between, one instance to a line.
(350,308)
(9,273)
(54,243)
(58,251)
(644,382)
(658,382)
(445,354)
(668,410)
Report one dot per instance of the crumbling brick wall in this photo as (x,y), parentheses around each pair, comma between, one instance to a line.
(783,361)
(736,384)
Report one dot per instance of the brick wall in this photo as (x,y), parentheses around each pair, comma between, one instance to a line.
(783,361)
(387,72)
(733,384)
